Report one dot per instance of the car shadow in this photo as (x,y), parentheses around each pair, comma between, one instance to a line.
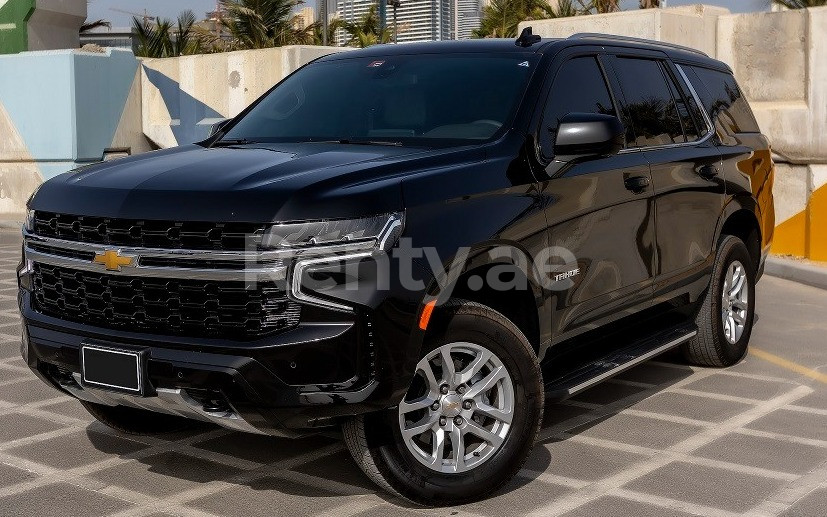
(208,453)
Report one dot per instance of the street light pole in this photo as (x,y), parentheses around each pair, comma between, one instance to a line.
(395,4)
(324,21)
(383,18)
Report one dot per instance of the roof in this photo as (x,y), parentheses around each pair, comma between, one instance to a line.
(441,47)
(500,45)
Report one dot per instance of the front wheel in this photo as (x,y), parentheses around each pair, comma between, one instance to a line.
(469,419)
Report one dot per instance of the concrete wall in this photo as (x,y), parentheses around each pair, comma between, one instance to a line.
(780,62)
(61,109)
(40,24)
(182,97)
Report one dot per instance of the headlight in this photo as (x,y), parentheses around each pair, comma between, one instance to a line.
(377,233)
(28,224)
(330,247)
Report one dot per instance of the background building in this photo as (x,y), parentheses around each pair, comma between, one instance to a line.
(116,37)
(419,20)
(305,17)
(467,16)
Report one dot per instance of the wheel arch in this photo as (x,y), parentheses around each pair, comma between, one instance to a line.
(525,307)
(740,219)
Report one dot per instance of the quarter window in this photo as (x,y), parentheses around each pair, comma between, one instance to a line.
(690,129)
(579,87)
(726,104)
(649,101)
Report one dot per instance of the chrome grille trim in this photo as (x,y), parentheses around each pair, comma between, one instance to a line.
(270,265)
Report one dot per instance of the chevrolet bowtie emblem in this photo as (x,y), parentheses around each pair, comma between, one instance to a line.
(113,260)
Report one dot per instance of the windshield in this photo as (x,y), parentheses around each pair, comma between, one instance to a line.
(428,99)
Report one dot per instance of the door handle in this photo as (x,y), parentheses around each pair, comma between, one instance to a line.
(636,184)
(707,171)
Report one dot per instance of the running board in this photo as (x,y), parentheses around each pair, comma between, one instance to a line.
(618,361)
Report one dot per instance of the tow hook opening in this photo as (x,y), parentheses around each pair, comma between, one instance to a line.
(213,402)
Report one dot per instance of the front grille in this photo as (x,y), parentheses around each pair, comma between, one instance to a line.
(146,233)
(197,308)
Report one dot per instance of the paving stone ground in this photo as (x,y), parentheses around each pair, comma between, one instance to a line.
(663,439)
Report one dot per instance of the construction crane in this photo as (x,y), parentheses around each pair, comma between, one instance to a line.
(146,17)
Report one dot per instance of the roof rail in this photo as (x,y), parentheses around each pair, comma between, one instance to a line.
(629,39)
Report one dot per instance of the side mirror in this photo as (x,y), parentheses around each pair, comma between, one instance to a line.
(588,135)
(218,126)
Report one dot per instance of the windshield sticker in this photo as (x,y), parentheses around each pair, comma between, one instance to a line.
(524,63)
(376,64)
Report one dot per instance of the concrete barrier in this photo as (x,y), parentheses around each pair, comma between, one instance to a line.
(60,109)
(182,97)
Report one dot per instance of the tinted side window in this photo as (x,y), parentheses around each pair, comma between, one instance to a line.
(692,104)
(726,104)
(690,129)
(579,87)
(650,104)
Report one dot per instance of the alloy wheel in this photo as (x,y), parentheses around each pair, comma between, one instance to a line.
(735,301)
(459,408)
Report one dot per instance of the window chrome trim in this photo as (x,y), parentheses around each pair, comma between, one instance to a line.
(710,128)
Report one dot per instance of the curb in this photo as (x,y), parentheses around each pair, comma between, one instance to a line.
(797,271)
(10,224)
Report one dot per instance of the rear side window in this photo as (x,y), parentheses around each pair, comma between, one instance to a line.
(579,87)
(723,100)
(690,129)
(649,103)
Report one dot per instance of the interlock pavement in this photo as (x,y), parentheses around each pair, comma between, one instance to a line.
(663,439)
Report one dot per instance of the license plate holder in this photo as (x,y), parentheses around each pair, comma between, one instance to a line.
(113,369)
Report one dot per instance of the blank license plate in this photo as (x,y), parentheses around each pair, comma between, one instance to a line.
(111,369)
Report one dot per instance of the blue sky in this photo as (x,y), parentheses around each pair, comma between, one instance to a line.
(171,8)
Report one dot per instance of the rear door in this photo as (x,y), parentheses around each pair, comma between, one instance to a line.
(675,136)
(593,217)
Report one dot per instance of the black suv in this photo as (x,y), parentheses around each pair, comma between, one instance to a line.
(419,244)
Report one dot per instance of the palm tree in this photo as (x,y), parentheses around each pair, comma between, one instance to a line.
(263,23)
(501,17)
(799,4)
(649,4)
(332,27)
(599,6)
(365,32)
(163,39)
(90,26)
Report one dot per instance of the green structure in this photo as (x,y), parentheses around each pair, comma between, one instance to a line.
(14,21)
(27,25)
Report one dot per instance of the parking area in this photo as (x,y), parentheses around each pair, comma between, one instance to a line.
(662,439)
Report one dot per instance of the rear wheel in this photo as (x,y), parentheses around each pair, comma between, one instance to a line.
(469,419)
(727,312)
(136,421)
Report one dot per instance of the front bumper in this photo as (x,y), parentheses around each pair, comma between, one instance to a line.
(331,366)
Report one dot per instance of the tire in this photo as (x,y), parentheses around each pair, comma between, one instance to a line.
(713,345)
(136,421)
(507,386)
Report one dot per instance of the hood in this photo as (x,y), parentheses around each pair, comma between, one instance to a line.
(252,183)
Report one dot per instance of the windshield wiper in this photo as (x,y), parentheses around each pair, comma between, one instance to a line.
(232,141)
(346,141)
